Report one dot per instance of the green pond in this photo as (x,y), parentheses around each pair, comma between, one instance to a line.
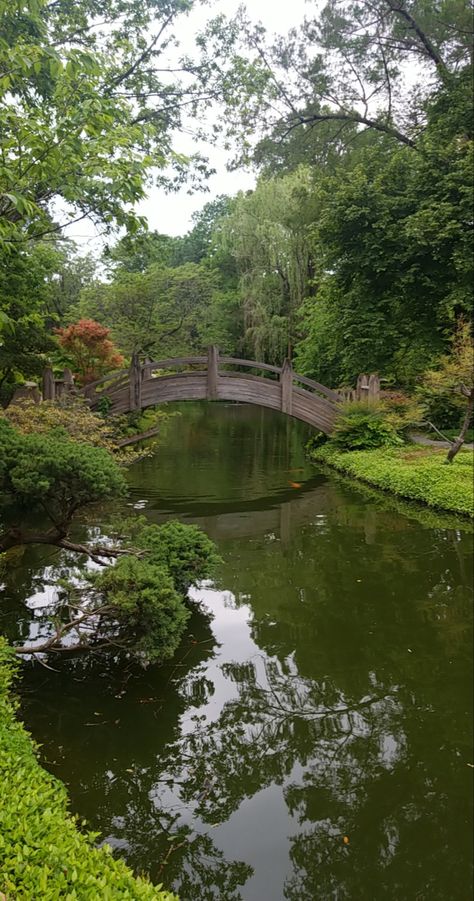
(312,738)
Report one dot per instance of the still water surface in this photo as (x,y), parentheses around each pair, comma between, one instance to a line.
(312,738)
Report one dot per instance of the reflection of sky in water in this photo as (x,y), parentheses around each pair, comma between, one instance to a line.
(327,696)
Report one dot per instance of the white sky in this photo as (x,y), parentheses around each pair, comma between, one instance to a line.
(171,213)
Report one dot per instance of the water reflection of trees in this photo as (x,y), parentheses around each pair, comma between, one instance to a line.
(349,765)
(354,707)
(128,720)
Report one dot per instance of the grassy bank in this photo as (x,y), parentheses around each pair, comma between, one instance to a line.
(43,854)
(416,473)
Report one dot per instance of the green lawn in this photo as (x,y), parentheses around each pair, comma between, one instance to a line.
(414,472)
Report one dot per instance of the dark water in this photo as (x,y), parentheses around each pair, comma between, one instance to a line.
(312,739)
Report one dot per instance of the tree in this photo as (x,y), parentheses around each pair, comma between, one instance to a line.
(89,104)
(89,348)
(393,238)
(162,311)
(136,605)
(267,234)
(344,71)
(455,374)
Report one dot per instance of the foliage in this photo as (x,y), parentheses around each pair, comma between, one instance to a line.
(184,550)
(267,234)
(86,112)
(318,439)
(89,348)
(360,425)
(416,473)
(341,74)
(73,417)
(393,242)
(53,474)
(144,611)
(162,311)
(137,604)
(455,373)
(43,852)
(402,411)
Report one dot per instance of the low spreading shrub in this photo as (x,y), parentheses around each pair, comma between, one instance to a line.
(72,418)
(360,425)
(416,473)
(43,852)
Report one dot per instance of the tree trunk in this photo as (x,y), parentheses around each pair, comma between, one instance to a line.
(457,445)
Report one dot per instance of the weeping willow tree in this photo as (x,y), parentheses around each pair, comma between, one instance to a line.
(268,234)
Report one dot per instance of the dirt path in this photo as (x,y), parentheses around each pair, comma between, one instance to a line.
(422,439)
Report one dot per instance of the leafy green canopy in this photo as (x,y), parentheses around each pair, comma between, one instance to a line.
(88,104)
(342,73)
(392,239)
(140,601)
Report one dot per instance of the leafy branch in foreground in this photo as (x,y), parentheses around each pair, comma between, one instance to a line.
(137,603)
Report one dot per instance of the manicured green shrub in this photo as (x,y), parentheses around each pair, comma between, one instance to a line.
(148,613)
(43,852)
(184,550)
(417,473)
(360,425)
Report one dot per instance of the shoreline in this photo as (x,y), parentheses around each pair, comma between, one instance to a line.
(413,472)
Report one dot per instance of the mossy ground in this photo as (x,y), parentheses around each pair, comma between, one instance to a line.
(413,472)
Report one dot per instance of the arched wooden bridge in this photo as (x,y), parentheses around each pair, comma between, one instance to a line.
(215,377)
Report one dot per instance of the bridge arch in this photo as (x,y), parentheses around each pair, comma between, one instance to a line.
(215,377)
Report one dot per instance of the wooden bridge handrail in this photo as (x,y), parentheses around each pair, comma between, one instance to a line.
(310,383)
(250,364)
(105,378)
(173,361)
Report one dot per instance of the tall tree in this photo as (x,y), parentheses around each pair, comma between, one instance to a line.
(89,104)
(268,235)
(351,67)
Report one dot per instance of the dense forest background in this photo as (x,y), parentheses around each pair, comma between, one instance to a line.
(354,251)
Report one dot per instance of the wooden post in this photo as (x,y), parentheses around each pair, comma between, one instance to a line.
(49,388)
(374,388)
(286,382)
(135,376)
(362,389)
(68,381)
(146,369)
(212,371)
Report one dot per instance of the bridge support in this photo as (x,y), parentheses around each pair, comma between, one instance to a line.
(286,382)
(212,371)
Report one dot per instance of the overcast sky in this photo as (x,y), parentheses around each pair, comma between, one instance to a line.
(171,213)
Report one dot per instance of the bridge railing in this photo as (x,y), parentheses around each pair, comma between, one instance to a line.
(280,387)
(212,364)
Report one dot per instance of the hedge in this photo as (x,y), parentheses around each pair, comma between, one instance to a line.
(43,853)
(416,473)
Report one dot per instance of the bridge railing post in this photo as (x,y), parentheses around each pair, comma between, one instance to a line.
(286,382)
(49,384)
(212,371)
(135,376)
